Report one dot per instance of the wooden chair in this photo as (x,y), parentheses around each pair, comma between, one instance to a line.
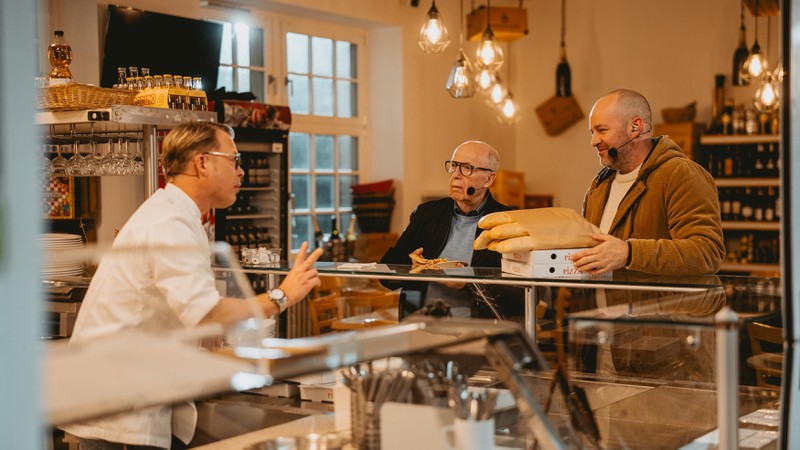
(325,311)
(367,301)
(767,364)
(328,286)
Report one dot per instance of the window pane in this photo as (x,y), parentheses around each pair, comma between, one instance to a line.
(346,60)
(301,231)
(348,153)
(257,84)
(242,44)
(344,224)
(298,94)
(225,78)
(325,223)
(322,54)
(324,152)
(345,196)
(226,51)
(346,99)
(242,79)
(297,53)
(325,191)
(298,151)
(323,97)
(257,47)
(301,191)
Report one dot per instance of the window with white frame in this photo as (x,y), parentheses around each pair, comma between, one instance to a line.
(241,60)
(323,81)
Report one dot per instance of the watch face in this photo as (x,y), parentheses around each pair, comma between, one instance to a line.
(277,294)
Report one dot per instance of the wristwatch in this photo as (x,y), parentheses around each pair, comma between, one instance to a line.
(278,297)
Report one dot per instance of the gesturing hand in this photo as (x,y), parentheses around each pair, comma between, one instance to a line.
(610,254)
(303,277)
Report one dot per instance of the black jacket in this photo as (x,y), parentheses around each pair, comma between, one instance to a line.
(429,228)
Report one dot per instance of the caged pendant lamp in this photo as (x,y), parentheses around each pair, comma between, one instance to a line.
(433,36)
(489,54)
(461,82)
(563,75)
(755,66)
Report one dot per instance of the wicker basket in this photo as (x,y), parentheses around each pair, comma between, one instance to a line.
(74,96)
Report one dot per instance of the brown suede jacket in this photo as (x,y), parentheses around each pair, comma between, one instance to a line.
(670,215)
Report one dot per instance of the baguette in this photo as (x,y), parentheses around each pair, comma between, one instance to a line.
(507,231)
(494,219)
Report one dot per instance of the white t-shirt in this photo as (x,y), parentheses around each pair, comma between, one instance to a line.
(167,283)
(619,187)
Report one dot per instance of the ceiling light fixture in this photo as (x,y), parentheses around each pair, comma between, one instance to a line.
(461,82)
(433,36)
(489,54)
(755,65)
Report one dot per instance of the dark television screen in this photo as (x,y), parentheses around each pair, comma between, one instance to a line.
(164,43)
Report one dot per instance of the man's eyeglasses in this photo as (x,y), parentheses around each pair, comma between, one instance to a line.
(466,169)
(236,157)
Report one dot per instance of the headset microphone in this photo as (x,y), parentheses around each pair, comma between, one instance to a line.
(470,190)
(613,152)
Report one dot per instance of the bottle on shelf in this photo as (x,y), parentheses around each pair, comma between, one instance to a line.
(60,56)
(736,205)
(758,205)
(717,105)
(317,232)
(335,243)
(122,78)
(769,205)
(725,203)
(350,237)
(747,205)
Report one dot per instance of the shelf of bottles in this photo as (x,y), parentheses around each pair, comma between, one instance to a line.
(746,169)
(253,221)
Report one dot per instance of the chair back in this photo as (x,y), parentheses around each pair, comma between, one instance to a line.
(767,363)
(366,301)
(324,312)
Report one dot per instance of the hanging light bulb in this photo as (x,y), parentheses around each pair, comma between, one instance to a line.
(489,55)
(509,110)
(484,80)
(777,74)
(433,36)
(756,65)
(768,95)
(496,94)
(460,83)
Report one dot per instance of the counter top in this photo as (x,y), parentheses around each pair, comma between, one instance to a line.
(320,423)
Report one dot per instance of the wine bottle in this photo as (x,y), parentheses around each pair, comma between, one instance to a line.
(317,232)
(740,54)
(563,76)
(60,56)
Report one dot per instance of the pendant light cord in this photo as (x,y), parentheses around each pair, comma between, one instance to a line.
(741,14)
(563,23)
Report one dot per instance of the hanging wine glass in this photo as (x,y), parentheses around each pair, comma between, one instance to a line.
(91,161)
(47,165)
(59,164)
(75,166)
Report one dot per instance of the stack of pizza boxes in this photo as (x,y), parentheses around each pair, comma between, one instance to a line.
(544,264)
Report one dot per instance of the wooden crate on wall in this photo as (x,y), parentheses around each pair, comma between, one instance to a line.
(509,188)
(685,134)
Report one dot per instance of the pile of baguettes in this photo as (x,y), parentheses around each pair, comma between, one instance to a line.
(534,229)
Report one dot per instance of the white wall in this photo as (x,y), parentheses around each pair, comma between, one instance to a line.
(669,51)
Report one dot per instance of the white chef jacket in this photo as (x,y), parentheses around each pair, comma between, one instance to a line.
(152,290)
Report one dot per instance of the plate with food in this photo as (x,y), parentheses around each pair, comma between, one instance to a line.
(422,264)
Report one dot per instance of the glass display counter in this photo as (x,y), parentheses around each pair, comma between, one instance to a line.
(631,361)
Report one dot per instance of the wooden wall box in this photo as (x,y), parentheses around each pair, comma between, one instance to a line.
(508,24)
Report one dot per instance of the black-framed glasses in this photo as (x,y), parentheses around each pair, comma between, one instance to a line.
(466,169)
(236,157)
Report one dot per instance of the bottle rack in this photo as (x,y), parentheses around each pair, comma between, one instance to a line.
(746,169)
(258,217)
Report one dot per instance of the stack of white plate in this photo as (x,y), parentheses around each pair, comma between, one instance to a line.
(61,258)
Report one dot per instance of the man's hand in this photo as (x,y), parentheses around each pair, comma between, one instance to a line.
(303,277)
(610,254)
